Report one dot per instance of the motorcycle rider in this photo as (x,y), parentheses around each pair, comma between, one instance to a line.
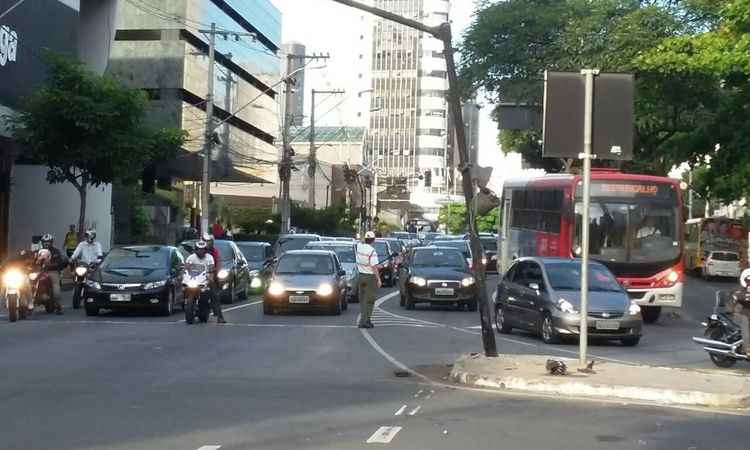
(740,308)
(200,255)
(89,251)
(57,262)
(215,287)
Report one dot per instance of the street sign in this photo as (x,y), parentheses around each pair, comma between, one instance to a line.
(613,111)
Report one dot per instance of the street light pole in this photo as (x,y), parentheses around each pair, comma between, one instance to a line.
(313,158)
(206,190)
(443,32)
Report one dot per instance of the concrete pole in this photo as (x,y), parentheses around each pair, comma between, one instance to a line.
(285,168)
(312,158)
(206,190)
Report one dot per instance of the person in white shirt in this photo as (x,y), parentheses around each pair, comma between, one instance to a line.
(201,255)
(369,278)
(648,228)
(89,251)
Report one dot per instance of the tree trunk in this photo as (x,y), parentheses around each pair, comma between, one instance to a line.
(82,211)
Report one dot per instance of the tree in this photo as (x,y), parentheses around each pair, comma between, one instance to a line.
(89,130)
(510,44)
(453,216)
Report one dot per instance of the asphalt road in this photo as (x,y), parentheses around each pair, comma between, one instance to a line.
(127,381)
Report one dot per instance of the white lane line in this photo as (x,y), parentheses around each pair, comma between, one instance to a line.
(415,411)
(390,358)
(378,302)
(400,410)
(210,447)
(383,435)
(284,325)
(418,393)
(242,306)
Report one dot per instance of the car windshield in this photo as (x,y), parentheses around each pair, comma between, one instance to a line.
(286,244)
(489,244)
(381,248)
(344,252)
(305,264)
(567,277)
(253,252)
(439,258)
(135,259)
(225,251)
(461,246)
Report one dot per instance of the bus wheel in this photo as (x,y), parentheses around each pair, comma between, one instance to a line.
(650,313)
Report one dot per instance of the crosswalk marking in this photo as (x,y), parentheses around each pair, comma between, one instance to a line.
(384,318)
(383,435)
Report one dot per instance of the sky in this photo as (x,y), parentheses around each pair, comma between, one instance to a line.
(327,27)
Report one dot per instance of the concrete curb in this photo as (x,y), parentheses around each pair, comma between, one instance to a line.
(583,387)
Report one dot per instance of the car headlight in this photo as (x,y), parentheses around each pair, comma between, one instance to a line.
(223,274)
(484,260)
(634,309)
(276,288)
(418,281)
(81,271)
(93,285)
(324,290)
(468,281)
(566,307)
(33,276)
(155,284)
(13,279)
(193,284)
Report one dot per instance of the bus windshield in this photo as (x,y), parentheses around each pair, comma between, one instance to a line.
(630,230)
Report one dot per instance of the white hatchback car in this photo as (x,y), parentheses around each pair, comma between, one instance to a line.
(722,264)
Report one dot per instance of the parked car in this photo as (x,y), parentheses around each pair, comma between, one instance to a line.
(348,260)
(543,295)
(437,275)
(721,264)
(386,257)
(234,274)
(306,279)
(259,257)
(136,277)
(287,242)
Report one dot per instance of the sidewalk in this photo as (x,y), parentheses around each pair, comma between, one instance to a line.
(663,385)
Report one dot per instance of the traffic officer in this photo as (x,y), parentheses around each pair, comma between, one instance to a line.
(369,278)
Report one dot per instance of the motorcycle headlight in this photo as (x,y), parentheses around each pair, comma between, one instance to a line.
(276,288)
(13,279)
(418,281)
(566,307)
(155,284)
(223,274)
(254,273)
(255,283)
(33,276)
(324,290)
(81,271)
(634,309)
(193,284)
(468,281)
(93,285)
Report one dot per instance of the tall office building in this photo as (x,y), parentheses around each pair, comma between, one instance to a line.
(298,91)
(407,138)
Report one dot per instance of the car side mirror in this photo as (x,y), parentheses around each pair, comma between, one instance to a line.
(534,286)
(342,273)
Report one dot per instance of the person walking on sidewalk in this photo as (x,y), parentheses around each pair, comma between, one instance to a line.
(369,278)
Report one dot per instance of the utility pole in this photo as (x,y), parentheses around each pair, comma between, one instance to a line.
(443,33)
(285,167)
(206,184)
(690,193)
(313,157)
(228,81)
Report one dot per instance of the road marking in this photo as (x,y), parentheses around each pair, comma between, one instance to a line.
(415,410)
(243,306)
(400,410)
(388,357)
(210,447)
(418,393)
(378,302)
(383,435)
(284,325)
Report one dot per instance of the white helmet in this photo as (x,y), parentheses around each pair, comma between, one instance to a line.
(370,235)
(91,235)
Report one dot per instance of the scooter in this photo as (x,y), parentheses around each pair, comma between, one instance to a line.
(13,279)
(80,275)
(197,291)
(723,337)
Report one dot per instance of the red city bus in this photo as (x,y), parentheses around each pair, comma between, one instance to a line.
(635,229)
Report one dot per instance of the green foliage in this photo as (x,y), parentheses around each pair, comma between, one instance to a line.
(453,216)
(89,130)
(383,228)
(332,220)
(488,222)
(254,220)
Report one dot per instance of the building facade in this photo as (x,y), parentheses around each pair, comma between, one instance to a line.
(409,112)
(297,51)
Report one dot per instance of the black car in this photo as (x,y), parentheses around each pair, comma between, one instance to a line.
(489,245)
(234,274)
(461,245)
(307,279)
(259,257)
(287,242)
(147,277)
(437,275)
(386,258)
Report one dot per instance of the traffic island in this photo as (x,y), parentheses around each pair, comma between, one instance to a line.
(608,380)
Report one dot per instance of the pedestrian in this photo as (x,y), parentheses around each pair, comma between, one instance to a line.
(369,278)
(71,241)
(217,230)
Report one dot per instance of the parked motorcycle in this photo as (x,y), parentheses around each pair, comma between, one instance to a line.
(723,336)
(197,293)
(13,279)
(80,274)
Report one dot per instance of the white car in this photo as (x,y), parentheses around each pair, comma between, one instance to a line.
(722,264)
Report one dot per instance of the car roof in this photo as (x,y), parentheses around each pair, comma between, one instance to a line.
(253,243)
(308,252)
(557,260)
(330,244)
(436,247)
(150,248)
(298,236)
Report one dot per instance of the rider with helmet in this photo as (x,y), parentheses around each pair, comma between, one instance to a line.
(56,262)
(740,307)
(200,255)
(89,251)
(215,290)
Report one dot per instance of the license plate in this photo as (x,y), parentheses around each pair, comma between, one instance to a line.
(607,325)
(444,291)
(299,299)
(119,297)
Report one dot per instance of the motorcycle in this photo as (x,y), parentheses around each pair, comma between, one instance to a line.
(80,275)
(197,291)
(723,336)
(13,279)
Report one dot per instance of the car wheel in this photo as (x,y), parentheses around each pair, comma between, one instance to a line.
(549,335)
(650,313)
(500,321)
(630,341)
(166,308)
